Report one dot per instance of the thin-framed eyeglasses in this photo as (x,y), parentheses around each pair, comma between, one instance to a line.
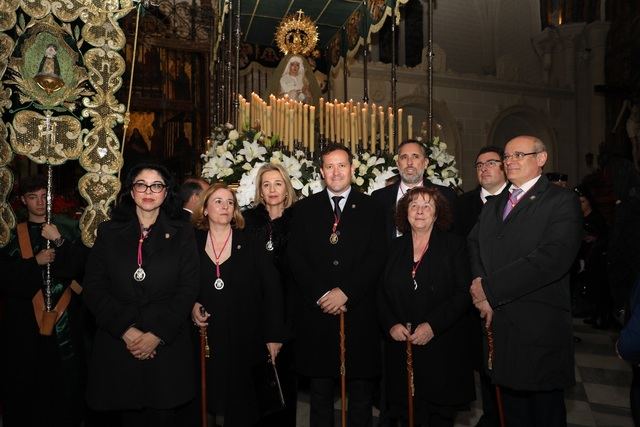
(489,164)
(518,155)
(141,187)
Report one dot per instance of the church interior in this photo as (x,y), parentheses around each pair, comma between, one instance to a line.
(211,87)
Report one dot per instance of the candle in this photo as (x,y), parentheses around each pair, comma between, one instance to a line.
(373,132)
(381,118)
(399,126)
(305,125)
(391,133)
(312,134)
(410,126)
(363,124)
(291,128)
(268,122)
(354,136)
(327,131)
(321,107)
(345,124)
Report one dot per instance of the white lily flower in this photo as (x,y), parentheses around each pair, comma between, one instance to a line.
(252,150)
(292,166)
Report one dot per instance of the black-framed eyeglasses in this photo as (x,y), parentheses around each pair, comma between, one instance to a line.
(141,187)
(490,164)
(518,155)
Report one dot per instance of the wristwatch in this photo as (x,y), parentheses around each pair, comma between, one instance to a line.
(59,241)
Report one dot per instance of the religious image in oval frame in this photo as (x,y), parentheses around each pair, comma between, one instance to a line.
(294,77)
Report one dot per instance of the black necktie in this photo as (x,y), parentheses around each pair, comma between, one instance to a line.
(336,206)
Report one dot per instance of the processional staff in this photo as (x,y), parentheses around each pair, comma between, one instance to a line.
(343,373)
(491,348)
(204,354)
(410,383)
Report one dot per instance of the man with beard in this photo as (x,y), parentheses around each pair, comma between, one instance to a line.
(412,163)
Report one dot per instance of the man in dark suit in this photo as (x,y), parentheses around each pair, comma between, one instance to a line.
(190,195)
(412,162)
(336,255)
(491,181)
(521,251)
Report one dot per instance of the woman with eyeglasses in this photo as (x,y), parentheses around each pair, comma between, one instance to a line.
(424,299)
(141,282)
(240,302)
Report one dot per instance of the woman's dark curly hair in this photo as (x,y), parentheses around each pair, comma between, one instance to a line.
(126,208)
(442,211)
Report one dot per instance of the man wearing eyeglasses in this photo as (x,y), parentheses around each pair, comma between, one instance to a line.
(491,182)
(521,251)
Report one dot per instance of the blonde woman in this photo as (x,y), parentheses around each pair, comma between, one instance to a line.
(269,222)
(242,300)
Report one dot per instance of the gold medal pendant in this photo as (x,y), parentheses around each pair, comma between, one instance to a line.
(333,239)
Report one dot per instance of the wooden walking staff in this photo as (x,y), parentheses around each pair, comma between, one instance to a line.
(491,349)
(343,373)
(410,385)
(204,354)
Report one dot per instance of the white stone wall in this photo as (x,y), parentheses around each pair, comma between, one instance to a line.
(497,76)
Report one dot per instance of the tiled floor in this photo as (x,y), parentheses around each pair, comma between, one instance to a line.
(599,398)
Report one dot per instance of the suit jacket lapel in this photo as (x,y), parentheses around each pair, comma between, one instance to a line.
(529,198)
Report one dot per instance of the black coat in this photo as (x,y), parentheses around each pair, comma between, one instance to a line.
(246,314)
(262,228)
(524,263)
(467,211)
(387,198)
(354,265)
(442,368)
(160,304)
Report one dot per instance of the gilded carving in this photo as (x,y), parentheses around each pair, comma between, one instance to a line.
(100,191)
(46,138)
(7,218)
(51,76)
(8,17)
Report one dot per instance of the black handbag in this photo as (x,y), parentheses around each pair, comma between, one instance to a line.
(268,390)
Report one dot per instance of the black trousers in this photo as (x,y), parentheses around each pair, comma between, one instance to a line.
(534,408)
(490,417)
(359,397)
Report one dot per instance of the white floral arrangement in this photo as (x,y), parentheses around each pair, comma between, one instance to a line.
(235,158)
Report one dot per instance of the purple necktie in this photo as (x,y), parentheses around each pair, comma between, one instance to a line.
(511,203)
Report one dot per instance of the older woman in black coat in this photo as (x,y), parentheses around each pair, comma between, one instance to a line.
(140,284)
(426,284)
(242,298)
